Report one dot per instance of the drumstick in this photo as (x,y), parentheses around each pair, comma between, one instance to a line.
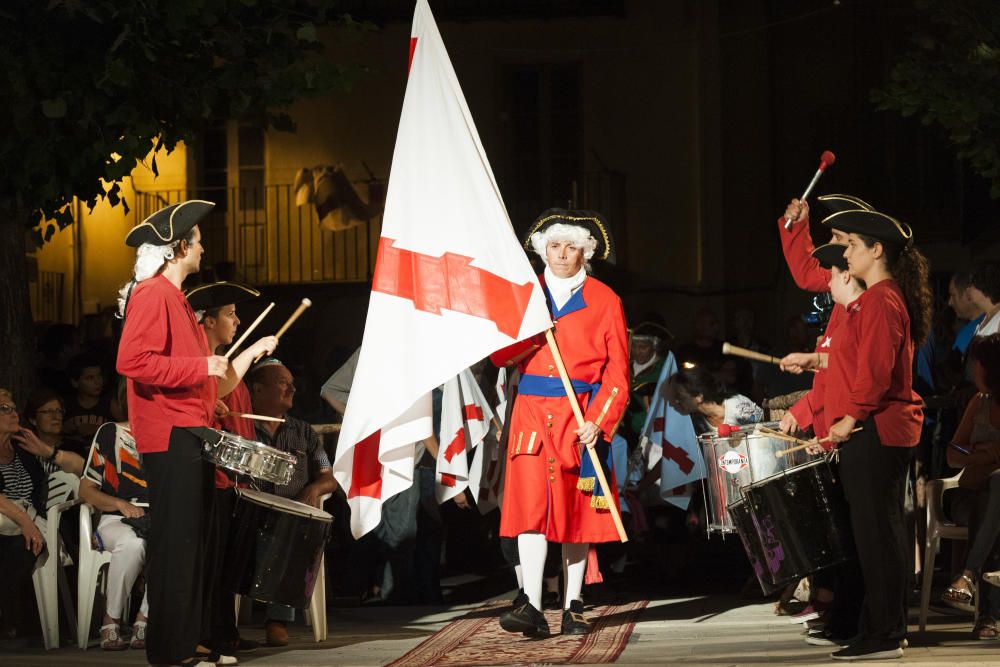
(783,452)
(246,333)
(734,351)
(260,418)
(778,435)
(291,320)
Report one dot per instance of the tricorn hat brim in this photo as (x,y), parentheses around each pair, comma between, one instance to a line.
(830,255)
(837,203)
(873,224)
(169,224)
(592,221)
(216,295)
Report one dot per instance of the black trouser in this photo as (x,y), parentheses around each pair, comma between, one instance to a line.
(874,476)
(221,607)
(181,494)
(17,564)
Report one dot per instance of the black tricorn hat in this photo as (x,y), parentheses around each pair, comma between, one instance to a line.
(216,295)
(830,255)
(649,330)
(169,224)
(592,221)
(872,224)
(838,203)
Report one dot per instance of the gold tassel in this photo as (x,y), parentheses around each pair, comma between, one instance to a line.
(599,502)
(585,484)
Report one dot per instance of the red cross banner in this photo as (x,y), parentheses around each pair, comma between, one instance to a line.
(465,423)
(451,283)
(669,441)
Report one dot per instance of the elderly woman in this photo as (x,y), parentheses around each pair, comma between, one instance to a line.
(22,498)
(115,484)
(44,412)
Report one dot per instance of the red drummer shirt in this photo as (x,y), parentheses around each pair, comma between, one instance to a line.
(872,367)
(164,354)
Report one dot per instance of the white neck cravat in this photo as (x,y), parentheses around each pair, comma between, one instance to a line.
(562,289)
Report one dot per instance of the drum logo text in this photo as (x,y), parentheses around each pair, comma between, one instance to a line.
(733,462)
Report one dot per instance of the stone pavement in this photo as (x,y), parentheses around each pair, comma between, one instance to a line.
(704,630)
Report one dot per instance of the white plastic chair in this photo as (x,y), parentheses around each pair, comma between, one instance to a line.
(938,528)
(90,564)
(317,603)
(50,579)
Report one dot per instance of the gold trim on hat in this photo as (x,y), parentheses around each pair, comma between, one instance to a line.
(904,229)
(596,221)
(851,198)
(246,288)
(170,221)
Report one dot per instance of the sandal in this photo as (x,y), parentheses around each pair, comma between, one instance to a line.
(111,639)
(960,598)
(986,629)
(138,635)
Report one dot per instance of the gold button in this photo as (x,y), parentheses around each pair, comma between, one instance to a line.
(552,479)
(548,416)
(551,367)
(550,469)
(552,459)
(549,424)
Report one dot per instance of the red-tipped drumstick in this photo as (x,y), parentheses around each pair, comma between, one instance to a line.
(825,160)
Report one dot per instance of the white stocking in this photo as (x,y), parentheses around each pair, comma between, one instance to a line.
(574,568)
(531,548)
(520,576)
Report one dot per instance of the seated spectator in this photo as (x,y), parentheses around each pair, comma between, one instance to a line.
(697,392)
(23,490)
(86,406)
(44,413)
(115,484)
(985,294)
(272,391)
(976,448)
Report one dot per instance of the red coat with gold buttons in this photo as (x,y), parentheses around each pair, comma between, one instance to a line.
(543,454)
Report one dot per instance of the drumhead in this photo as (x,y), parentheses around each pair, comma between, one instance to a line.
(283,504)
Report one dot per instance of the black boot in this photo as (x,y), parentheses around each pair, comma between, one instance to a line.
(573,622)
(519,599)
(526,620)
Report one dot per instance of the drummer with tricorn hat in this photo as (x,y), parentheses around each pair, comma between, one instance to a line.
(550,491)
(172,384)
(215,306)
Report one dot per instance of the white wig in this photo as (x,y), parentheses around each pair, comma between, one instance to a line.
(578,236)
(149,259)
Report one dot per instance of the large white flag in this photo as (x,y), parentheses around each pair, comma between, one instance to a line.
(465,421)
(451,284)
(669,440)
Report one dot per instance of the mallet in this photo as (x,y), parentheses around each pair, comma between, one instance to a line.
(825,160)
(260,318)
(291,320)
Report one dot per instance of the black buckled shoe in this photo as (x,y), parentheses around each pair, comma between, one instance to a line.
(573,622)
(527,620)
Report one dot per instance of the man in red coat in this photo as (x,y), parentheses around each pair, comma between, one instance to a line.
(546,498)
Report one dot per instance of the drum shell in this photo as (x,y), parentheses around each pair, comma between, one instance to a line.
(743,521)
(274,555)
(801,520)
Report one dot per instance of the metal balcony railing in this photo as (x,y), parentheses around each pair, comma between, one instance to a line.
(261,236)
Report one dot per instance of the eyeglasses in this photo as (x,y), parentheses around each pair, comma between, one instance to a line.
(8,410)
(52,411)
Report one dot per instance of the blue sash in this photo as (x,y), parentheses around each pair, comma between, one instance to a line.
(541,385)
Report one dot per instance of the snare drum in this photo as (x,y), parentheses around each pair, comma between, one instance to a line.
(275,548)
(735,462)
(248,457)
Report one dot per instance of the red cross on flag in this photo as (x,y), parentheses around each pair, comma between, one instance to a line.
(451,284)
(669,440)
(465,423)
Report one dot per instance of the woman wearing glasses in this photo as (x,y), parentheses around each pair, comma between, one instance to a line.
(23,489)
(44,413)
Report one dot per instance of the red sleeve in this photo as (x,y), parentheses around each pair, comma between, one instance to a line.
(797,246)
(141,353)
(803,410)
(879,339)
(607,407)
(512,354)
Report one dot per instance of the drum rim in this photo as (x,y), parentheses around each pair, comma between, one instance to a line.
(786,472)
(312,513)
(256,445)
(709,436)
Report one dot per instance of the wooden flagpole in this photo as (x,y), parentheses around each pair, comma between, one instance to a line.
(598,468)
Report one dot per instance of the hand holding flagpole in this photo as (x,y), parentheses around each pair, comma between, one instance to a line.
(598,468)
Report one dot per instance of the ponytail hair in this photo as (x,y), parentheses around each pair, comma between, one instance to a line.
(911,271)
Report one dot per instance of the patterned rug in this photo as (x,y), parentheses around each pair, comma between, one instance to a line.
(477,639)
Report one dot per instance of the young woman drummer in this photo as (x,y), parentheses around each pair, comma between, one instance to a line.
(872,360)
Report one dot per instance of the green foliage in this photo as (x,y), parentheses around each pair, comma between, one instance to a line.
(951,77)
(91,86)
